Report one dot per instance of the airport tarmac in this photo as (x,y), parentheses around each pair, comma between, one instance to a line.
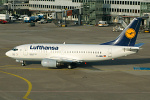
(107,80)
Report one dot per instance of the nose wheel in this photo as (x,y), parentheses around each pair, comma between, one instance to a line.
(23,63)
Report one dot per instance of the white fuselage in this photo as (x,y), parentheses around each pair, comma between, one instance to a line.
(73,52)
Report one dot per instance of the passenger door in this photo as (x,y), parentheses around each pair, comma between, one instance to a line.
(25,52)
(110,52)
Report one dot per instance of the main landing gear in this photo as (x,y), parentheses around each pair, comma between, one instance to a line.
(71,66)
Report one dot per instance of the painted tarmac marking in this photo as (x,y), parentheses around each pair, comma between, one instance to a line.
(13,67)
(29,84)
(68,91)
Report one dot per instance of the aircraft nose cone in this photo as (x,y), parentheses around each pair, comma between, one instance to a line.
(7,53)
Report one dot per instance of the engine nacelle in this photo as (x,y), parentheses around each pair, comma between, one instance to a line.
(49,63)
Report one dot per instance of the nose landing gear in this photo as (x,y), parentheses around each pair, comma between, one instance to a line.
(23,63)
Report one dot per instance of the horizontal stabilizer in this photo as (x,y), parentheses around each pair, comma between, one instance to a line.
(138,45)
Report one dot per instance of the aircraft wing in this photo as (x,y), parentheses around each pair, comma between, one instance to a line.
(65,59)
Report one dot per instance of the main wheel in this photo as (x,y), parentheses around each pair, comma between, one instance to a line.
(23,64)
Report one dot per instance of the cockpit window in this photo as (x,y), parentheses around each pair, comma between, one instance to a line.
(15,49)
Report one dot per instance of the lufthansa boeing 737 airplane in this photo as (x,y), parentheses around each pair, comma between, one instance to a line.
(55,55)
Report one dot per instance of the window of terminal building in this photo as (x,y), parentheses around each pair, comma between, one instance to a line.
(112,2)
(120,2)
(74,0)
(59,7)
(104,9)
(135,2)
(120,10)
(112,9)
(131,3)
(135,10)
(130,10)
(125,10)
(117,10)
(117,2)
(138,3)
(126,2)
(123,2)
(107,2)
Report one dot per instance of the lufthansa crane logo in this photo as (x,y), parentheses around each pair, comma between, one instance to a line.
(130,33)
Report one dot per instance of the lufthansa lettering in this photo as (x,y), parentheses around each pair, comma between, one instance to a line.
(44,47)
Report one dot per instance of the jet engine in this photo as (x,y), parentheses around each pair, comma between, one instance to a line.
(49,63)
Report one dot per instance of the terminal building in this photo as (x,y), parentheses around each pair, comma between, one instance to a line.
(20,7)
(49,6)
(91,11)
(125,8)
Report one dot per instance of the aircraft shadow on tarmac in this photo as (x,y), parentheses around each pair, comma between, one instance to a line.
(115,62)
(123,61)
(105,63)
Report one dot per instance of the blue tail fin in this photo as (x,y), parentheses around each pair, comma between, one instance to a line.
(128,35)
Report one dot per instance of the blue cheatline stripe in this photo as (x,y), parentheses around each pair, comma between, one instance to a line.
(141,68)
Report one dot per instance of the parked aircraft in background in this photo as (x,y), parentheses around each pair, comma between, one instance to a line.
(54,55)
